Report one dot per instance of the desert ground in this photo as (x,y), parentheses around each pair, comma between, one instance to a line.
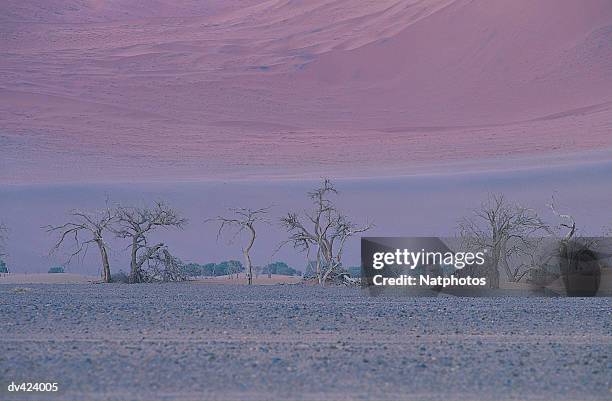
(193,342)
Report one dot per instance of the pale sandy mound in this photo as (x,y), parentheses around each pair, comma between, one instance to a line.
(68,278)
(43,278)
(298,88)
(262,279)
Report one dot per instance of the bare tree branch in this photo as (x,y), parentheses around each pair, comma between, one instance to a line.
(162,266)
(571,226)
(93,225)
(135,223)
(506,230)
(243,219)
(323,230)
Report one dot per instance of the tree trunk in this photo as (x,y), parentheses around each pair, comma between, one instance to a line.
(247,256)
(494,270)
(511,276)
(330,266)
(136,272)
(247,259)
(494,279)
(319,278)
(325,275)
(106,274)
(134,276)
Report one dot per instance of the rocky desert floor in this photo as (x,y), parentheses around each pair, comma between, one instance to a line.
(285,342)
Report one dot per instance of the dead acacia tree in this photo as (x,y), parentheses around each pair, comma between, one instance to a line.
(538,262)
(135,224)
(324,230)
(505,230)
(164,267)
(242,220)
(93,226)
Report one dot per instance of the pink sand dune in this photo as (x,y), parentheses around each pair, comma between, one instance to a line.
(237,89)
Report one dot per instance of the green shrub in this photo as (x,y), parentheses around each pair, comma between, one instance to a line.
(56,269)
(192,270)
(228,267)
(280,268)
(354,271)
(3,267)
(120,277)
(212,269)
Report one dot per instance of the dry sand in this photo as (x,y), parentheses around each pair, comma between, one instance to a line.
(194,342)
(68,278)
(261,279)
(45,278)
(299,88)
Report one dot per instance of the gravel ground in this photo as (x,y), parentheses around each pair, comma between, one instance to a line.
(192,342)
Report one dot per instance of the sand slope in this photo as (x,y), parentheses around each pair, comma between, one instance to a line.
(259,88)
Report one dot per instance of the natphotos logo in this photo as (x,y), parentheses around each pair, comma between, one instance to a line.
(421,263)
(411,259)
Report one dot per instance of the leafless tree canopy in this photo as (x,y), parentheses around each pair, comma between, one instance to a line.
(162,267)
(83,229)
(505,230)
(241,220)
(324,230)
(136,223)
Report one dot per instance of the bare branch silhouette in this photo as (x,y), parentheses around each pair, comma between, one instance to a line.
(571,226)
(324,230)
(243,219)
(506,230)
(91,225)
(136,223)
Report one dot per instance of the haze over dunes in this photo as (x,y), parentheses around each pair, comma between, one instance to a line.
(105,90)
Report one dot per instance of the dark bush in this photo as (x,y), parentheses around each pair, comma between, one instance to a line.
(228,267)
(212,269)
(354,271)
(280,268)
(120,277)
(192,270)
(209,269)
(56,269)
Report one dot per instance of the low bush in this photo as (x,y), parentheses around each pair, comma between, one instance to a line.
(280,268)
(120,277)
(212,269)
